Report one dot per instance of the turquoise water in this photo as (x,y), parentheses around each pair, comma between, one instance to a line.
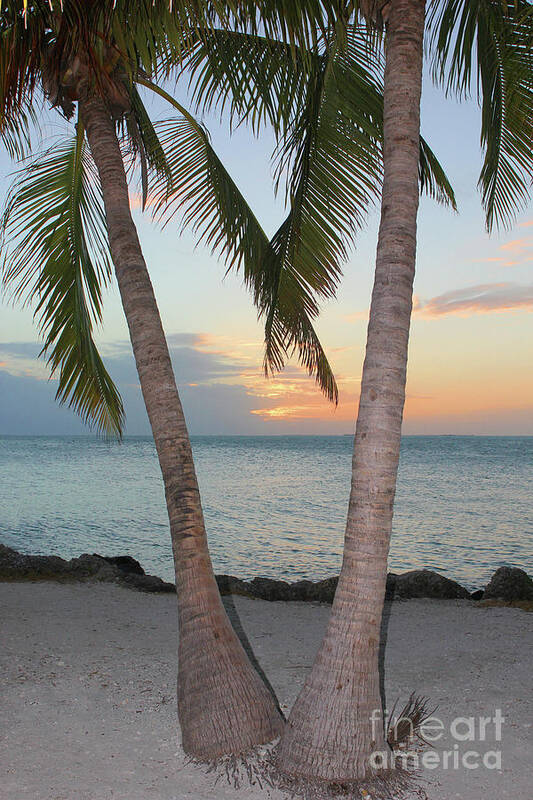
(274,506)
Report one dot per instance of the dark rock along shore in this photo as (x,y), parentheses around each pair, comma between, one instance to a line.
(508,584)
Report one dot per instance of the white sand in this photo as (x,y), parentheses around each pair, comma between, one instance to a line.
(88,689)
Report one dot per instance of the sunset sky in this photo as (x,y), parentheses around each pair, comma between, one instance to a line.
(471,352)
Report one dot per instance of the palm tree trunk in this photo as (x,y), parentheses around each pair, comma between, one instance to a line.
(223,705)
(330,734)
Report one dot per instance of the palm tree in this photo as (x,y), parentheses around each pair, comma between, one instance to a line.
(68,220)
(329,114)
(330,735)
(326,107)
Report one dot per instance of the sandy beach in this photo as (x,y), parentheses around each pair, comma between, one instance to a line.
(88,707)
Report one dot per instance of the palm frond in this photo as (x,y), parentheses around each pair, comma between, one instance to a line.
(208,201)
(256,79)
(327,111)
(433,180)
(22,44)
(141,144)
(289,328)
(486,46)
(333,151)
(157,34)
(55,255)
(300,23)
(15,133)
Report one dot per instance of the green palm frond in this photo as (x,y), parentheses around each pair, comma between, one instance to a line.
(327,112)
(141,144)
(256,79)
(333,150)
(208,201)
(22,43)
(55,254)
(433,180)
(157,34)
(487,45)
(15,134)
(301,23)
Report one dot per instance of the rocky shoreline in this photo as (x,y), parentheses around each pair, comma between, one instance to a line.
(508,584)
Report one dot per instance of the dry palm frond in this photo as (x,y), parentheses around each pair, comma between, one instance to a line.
(406,726)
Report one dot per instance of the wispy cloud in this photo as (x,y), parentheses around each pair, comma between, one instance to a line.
(210,366)
(512,253)
(485,298)
(21,358)
(294,395)
(516,245)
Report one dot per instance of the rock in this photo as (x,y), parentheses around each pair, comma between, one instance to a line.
(509,584)
(91,566)
(229,584)
(20,567)
(303,590)
(145,583)
(270,589)
(426,583)
(477,595)
(390,586)
(324,591)
(124,563)
(123,570)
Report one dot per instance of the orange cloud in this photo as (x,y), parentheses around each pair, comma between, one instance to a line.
(516,245)
(505,262)
(485,298)
(295,395)
(515,252)
(288,412)
(520,250)
(240,350)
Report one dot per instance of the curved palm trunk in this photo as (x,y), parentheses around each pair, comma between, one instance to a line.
(330,734)
(223,705)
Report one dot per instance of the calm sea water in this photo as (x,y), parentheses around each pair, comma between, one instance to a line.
(274,506)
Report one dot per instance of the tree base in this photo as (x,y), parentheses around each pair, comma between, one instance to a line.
(393,784)
(259,768)
(254,768)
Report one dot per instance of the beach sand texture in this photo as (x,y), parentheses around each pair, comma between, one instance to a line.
(88,708)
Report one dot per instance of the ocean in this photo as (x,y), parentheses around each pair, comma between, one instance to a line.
(274,505)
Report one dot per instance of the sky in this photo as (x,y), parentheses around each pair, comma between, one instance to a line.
(471,352)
